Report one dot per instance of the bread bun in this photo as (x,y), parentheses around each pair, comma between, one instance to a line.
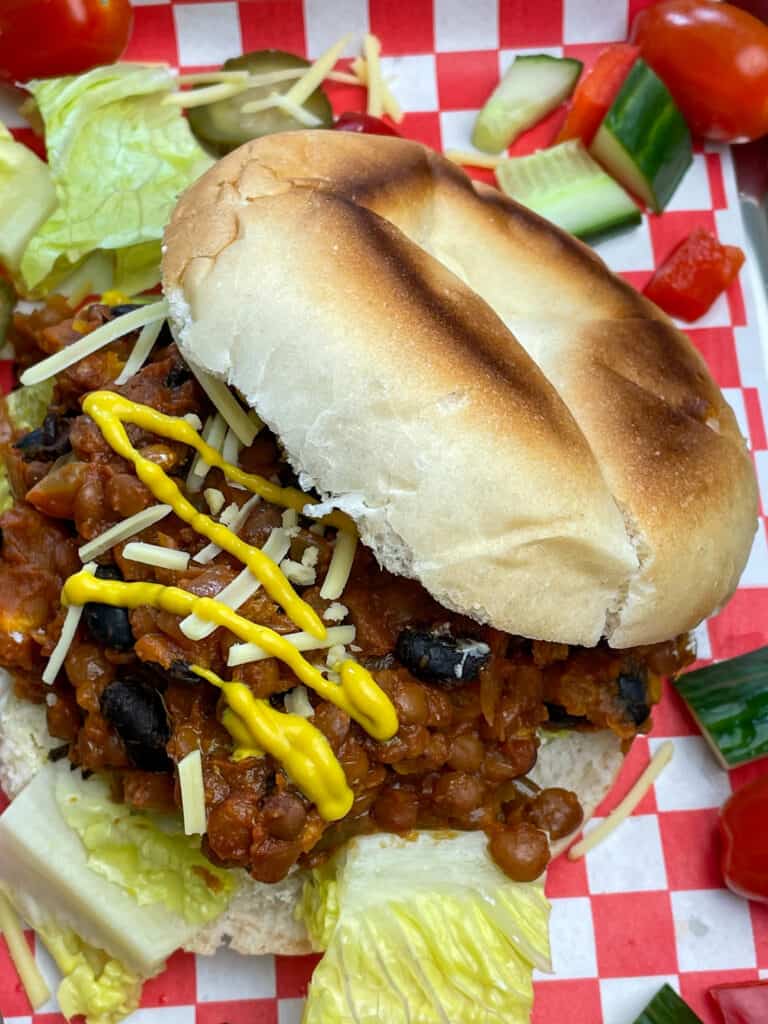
(506,420)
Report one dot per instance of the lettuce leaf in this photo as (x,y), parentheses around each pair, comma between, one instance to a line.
(27,197)
(119,159)
(26,407)
(101,989)
(426,930)
(148,857)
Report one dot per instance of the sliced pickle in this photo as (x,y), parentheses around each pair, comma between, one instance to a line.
(223,126)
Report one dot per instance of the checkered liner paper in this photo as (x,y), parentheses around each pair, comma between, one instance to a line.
(648,905)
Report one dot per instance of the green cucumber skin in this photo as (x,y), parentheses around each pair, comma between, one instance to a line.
(667,1007)
(504,116)
(645,122)
(730,701)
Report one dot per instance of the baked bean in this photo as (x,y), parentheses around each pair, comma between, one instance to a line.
(88,508)
(410,701)
(127,495)
(557,811)
(354,761)
(396,810)
(458,794)
(521,851)
(63,716)
(271,858)
(284,815)
(466,754)
(332,722)
(230,828)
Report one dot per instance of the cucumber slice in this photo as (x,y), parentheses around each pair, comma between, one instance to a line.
(568,187)
(223,126)
(644,141)
(531,88)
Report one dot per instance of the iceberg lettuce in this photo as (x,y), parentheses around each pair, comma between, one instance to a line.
(150,858)
(27,197)
(426,930)
(119,159)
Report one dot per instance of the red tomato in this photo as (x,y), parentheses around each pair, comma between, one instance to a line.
(693,275)
(351,121)
(45,38)
(596,92)
(744,857)
(742,1002)
(713,57)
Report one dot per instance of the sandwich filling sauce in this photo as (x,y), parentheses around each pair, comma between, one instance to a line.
(424,719)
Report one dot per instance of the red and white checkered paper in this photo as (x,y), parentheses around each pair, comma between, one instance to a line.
(648,905)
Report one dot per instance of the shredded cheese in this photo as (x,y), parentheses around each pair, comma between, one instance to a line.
(291,521)
(192,788)
(235,521)
(189,98)
(67,635)
(140,352)
(242,587)
(341,565)
(295,110)
(211,77)
(244,426)
(297,572)
(389,102)
(23,960)
(310,557)
(123,531)
(658,763)
(468,159)
(336,612)
(243,654)
(314,75)
(154,554)
(214,499)
(372,49)
(193,420)
(199,471)
(297,702)
(230,450)
(94,341)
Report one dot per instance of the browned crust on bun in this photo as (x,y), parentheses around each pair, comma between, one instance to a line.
(506,420)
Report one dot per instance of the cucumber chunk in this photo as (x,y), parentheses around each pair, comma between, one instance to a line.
(532,87)
(644,141)
(565,185)
(223,126)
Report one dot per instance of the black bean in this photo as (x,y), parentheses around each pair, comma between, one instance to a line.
(47,442)
(137,712)
(436,656)
(378,663)
(558,716)
(123,308)
(177,375)
(107,625)
(57,753)
(633,695)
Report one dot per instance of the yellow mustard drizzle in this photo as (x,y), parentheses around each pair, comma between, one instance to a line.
(357,693)
(245,745)
(292,740)
(110,412)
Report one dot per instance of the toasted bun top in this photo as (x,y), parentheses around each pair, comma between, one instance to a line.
(506,420)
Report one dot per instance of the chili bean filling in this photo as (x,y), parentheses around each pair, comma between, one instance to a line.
(470,699)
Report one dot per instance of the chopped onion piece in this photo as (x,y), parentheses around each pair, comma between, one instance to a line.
(297,702)
(243,654)
(94,341)
(193,793)
(140,352)
(154,554)
(214,499)
(122,531)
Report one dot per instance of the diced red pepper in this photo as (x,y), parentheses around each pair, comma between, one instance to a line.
(596,92)
(742,1002)
(744,858)
(693,275)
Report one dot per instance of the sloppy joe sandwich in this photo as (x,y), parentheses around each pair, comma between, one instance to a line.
(395,528)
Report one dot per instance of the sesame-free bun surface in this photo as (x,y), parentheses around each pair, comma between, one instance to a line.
(506,420)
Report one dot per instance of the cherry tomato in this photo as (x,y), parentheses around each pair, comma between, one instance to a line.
(713,57)
(744,858)
(351,121)
(46,38)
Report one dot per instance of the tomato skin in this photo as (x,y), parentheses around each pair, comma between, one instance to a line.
(352,121)
(744,858)
(47,38)
(713,58)
(596,92)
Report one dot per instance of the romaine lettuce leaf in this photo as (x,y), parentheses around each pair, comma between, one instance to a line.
(426,930)
(148,857)
(119,159)
(27,197)
(101,989)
